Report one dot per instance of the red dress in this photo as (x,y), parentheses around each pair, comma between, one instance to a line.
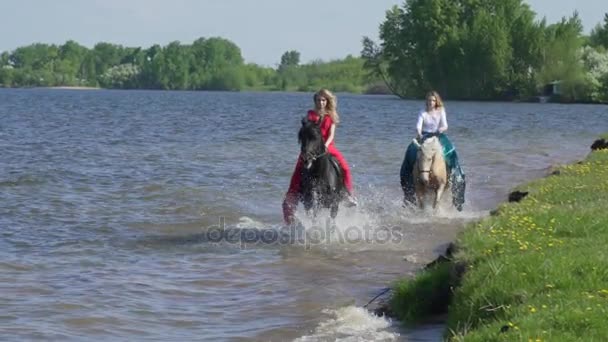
(291,198)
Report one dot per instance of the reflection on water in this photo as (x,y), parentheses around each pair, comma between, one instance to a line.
(109,199)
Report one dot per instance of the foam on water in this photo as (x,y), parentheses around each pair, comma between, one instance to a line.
(248,222)
(350,324)
(379,219)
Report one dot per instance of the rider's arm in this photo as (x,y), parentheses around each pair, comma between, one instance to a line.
(419,124)
(332,132)
(443,122)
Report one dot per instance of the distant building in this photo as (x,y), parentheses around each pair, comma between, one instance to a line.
(553,88)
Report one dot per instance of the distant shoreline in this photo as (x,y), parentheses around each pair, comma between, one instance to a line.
(532,99)
(73,87)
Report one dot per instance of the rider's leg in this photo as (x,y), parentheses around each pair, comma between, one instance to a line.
(348,183)
(290,202)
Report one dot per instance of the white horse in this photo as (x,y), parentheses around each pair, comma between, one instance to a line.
(430,172)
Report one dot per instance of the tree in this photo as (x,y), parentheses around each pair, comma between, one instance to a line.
(88,72)
(289,59)
(596,67)
(562,57)
(71,57)
(599,34)
(4,59)
(288,73)
(106,55)
(377,66)
(207,64)
(176,58)
(227,79)
(120,76)
(199,77)
(463,48)
(149,76)
(6,70)
(221,57)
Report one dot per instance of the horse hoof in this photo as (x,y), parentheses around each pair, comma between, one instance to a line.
(350,202)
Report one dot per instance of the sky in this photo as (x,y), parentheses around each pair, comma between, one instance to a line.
(263,29)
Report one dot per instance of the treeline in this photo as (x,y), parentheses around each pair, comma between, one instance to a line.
(487,50)
(466,49)
(206,64)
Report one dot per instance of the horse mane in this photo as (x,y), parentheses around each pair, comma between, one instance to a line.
(435,141)
(309,131)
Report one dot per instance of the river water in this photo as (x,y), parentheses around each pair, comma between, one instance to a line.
(109,198)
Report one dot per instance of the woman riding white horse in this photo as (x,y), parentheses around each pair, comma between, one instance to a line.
(431,138)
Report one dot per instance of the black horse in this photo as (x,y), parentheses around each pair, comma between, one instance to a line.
(322,178)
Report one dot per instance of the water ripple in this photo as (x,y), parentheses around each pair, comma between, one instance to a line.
(108,198)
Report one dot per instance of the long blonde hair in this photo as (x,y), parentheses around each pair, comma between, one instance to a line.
(438,101)
(331,108)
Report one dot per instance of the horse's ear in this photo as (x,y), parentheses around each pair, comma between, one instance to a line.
(304,121)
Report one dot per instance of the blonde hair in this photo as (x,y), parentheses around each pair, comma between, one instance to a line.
(331,108)
(438,101)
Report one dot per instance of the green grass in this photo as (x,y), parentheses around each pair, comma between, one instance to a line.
(414,301)
(538,269)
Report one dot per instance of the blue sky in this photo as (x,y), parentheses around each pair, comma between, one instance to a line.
(263,29)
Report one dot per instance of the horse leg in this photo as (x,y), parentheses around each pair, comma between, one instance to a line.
(289,207)
(420,194)
(441,179)
(317,207)
(333,211)
(315,212)
(438,194)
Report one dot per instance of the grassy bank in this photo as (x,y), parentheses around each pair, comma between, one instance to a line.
(536,270)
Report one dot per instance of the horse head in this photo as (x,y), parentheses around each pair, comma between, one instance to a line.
(428,151)
(311,142)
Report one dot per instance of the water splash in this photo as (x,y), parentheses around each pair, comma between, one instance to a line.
(349,324)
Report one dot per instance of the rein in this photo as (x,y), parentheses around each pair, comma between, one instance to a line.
(315,157)
(319,155)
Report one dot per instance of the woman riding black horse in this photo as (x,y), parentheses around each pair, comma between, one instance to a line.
(322,183)
(325,115)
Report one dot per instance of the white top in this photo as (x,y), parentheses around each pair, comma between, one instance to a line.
(431,121)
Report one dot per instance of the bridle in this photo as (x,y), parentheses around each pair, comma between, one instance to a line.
(314,157)
(429,171)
